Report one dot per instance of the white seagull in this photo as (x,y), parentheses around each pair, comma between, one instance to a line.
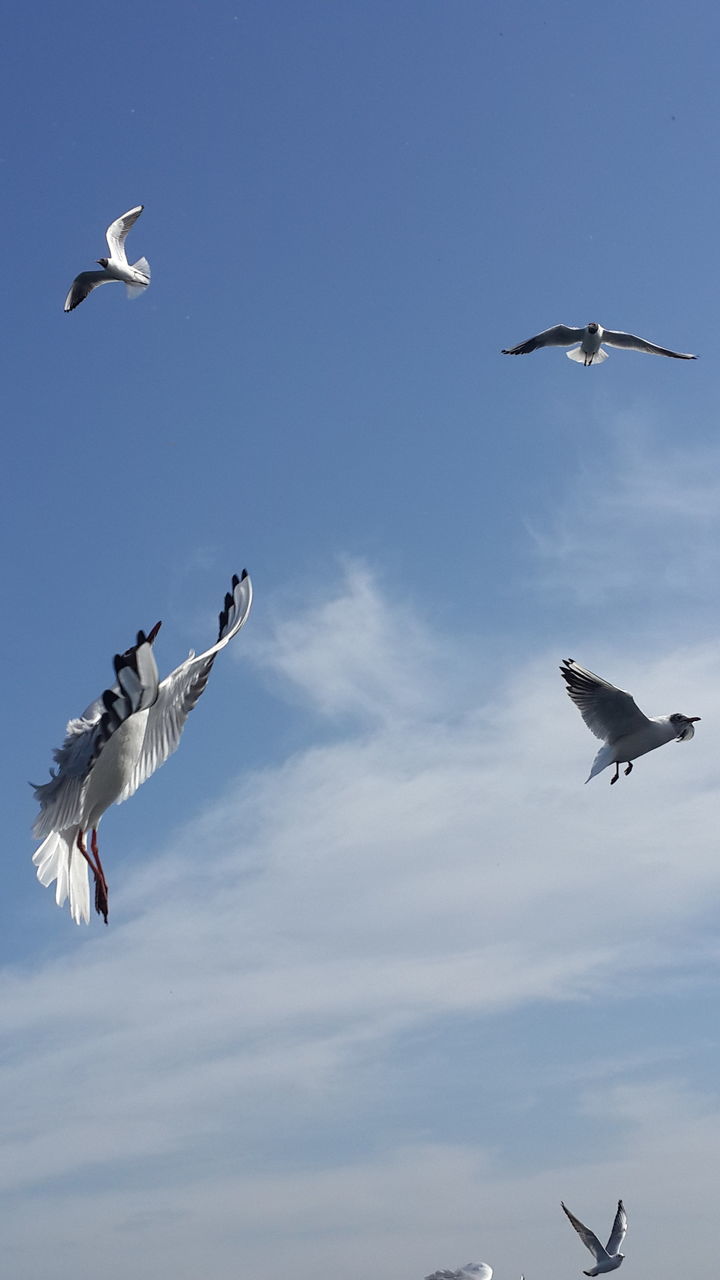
(118,742)
(116,267)
(590,351)
(614,716)
(471,1271)
(609,1258)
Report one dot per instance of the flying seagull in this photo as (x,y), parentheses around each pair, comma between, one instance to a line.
(615,717)
(590,351)
(609,1258)
(471,1271)
(113,747)
(116,267)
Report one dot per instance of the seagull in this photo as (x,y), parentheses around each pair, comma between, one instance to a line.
(614,716)
(609,1258)
(112,748)
(590,338)
(474,1270)
(116,267)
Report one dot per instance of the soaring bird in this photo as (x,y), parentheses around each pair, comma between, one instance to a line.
(614,716)
(471,1271)
(590,351)
(609,1258)
(118,742)
(116,267)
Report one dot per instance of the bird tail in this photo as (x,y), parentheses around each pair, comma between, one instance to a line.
(604,757)
(143,267)
(58,858)
(579,356)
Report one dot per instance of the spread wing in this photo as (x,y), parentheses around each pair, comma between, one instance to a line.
(117,231)
(619,1231)
(587,1236)
(616,338)
(559,336)
(84,284)
(61,799)
(608,712)
(178,692)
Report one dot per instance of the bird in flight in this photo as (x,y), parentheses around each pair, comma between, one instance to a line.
(610,1257)
(136,276)
(614,716)
(471,1271)
(590,338)
(112,748)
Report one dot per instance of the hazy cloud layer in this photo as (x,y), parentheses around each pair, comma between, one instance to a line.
(204,1073)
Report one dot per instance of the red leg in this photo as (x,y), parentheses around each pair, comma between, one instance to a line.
(101,888)
(101,884)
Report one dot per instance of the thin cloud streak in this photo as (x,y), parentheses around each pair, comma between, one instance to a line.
(641,518)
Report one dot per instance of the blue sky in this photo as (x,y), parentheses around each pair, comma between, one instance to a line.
(383,981)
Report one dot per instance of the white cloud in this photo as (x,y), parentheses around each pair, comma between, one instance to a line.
(212,1054)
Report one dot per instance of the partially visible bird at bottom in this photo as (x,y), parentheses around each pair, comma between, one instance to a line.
(471,1271)
(112,748)
(614,716)
(609,1257)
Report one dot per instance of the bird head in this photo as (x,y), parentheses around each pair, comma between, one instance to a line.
(683,725)
(593,327)
(102,262)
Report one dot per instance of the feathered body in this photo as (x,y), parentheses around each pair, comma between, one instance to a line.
(109,751)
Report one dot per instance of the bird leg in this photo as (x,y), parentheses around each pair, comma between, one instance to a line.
(616,774)
(629,768)
(101,887)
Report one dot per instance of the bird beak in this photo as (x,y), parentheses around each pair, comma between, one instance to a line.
(152,634)
(692,719)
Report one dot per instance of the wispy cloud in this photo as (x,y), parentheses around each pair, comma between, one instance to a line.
(215,1047)
(640,518)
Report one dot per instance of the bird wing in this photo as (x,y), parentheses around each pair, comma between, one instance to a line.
(178,692)
(84,284)
(559,336)
(587,1236)
(61,799)
(615,338)
(117,231)
(619,1230)
(608,712)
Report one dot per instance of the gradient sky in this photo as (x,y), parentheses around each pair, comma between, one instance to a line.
(383,981)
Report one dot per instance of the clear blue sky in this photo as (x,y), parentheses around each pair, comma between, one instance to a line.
(383,981)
